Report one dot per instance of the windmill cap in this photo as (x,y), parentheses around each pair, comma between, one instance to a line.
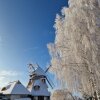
(39,71)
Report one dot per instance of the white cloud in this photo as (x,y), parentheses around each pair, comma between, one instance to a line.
(1,78)
(8,75)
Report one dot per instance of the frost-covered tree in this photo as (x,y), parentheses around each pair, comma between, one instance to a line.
(76,50)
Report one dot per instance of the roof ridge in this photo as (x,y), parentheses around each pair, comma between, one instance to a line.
(13,86)
(14,81)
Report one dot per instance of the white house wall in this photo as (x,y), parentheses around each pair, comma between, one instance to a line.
(23,99)
(13,97)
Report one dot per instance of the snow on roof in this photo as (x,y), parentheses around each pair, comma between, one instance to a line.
(15,87)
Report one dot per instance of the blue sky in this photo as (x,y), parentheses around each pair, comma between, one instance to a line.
(26,27)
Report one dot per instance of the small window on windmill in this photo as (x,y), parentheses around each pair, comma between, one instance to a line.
(43,80)
(36,88)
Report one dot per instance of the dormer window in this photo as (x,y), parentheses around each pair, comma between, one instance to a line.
(36,88)
(5,88)
(43,80)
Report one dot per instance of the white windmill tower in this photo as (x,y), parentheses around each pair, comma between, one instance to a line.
(38,83)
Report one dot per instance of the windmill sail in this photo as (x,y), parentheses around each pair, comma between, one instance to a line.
(50,82)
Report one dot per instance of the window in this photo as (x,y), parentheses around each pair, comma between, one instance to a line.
(46,98)
(35,98)
(5,88)
(43,80)
(41,98)
(36,88)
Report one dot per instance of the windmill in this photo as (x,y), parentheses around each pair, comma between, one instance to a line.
(38,82)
